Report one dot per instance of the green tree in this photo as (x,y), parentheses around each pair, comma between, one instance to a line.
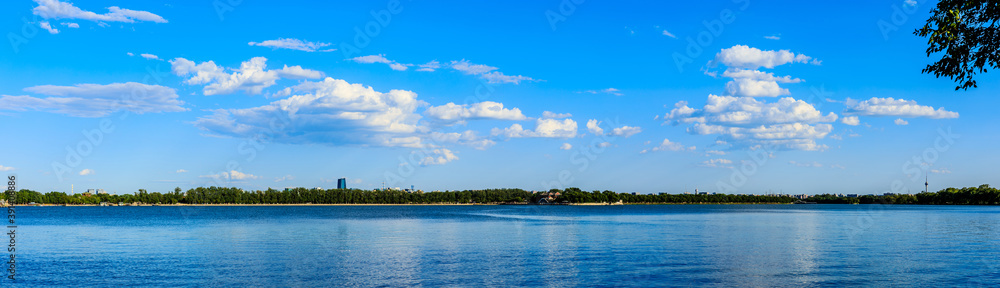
(968,32)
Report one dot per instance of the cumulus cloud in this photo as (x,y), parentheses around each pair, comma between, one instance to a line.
(553,115)
(625,131)
(745,111)
(900,121)
(594,127)
(895,107)
(381,59)
(96,100)
(54,9)
(851,120)
(70,24)
(330,111)
(86,172)
(482,110)
(48,27)
(149,56)
(252,76)
(181,171)
(438,157)
(754,88)
(544,128)
(667,145)
(565,146)
(742,56)
(5,168)
(293,44)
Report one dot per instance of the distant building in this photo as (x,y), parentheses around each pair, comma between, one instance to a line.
(101,191)
(91,191)
(852,195)
(342,183)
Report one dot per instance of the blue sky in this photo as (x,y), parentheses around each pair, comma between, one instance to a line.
(726,96)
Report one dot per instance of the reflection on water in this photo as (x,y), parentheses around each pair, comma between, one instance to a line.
(552,246)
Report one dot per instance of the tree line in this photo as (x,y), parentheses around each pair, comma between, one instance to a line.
(982,195)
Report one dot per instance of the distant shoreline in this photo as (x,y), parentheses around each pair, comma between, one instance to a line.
(409,204)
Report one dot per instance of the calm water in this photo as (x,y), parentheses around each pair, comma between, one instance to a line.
(472,246)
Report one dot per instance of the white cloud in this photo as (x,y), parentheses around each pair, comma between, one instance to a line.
(469,138)
(86,172)
(900,121)
(744,111)
(851,120)
(667,145)
(544,128)
(895,107)
(48,27)
(758,75)
(754,88)
(252,76)
(668,34)
(742,56)
(95,100)
(70,24)
(604,145)
(625,131)
(910,3)
(429,66)
(5,168)
(772,37)
(231,175)
(611,91)
(284,178)
(438,157)
(293,44)
(149,56)
(813,164)
(181,171)
(553,115)
(941,171)
(481,110)
(381,59)
(565,146)
(487,72)
(54,9)
(594,127)
(718,163)
(330,111)
(129,54)
(714,152)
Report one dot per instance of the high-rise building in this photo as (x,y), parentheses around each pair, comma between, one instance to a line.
(342,183)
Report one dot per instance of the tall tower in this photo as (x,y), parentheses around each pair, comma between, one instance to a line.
(926,183)
(342,183)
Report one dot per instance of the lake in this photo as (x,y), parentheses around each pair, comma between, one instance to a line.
(473,246)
